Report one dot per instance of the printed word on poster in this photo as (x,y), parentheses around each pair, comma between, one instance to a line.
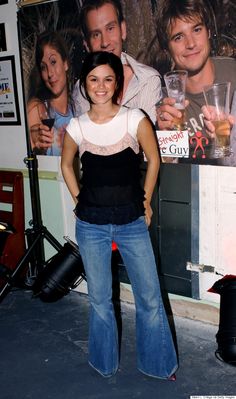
(173,143)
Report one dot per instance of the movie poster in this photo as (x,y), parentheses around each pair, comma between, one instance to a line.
(189,143)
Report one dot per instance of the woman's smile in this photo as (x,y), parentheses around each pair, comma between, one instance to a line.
(101,83)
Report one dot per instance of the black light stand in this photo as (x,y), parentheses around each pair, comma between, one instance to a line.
(35,235)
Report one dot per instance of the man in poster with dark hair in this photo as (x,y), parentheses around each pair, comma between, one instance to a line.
(184,32)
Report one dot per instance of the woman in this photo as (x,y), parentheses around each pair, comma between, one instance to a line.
(51,99)
(112,206)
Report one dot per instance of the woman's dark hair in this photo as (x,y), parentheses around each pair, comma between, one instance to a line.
(37,85)
(96,59)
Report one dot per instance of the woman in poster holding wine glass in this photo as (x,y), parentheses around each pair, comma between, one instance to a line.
(50,106)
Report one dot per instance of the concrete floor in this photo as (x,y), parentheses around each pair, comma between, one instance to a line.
(43,354)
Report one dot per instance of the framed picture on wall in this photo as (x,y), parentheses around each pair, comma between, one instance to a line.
(3,42)
(3,2)
(9,104)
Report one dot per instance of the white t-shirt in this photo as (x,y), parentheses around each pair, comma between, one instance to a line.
(125,121)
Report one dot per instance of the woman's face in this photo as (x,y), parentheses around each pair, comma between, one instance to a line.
(101,84)
(53,71)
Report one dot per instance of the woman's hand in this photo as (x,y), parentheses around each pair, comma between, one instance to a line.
(148,212)
(41,136)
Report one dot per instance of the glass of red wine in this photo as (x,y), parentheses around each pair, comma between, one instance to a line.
(47,116)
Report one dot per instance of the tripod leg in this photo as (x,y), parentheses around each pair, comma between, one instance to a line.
(51,239)
(9,284)
(37,258)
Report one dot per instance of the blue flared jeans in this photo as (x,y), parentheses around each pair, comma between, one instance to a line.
(156,355)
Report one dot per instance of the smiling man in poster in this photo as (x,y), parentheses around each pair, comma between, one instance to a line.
(184,32)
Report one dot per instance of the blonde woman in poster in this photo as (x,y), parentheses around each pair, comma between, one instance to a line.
(50,106)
